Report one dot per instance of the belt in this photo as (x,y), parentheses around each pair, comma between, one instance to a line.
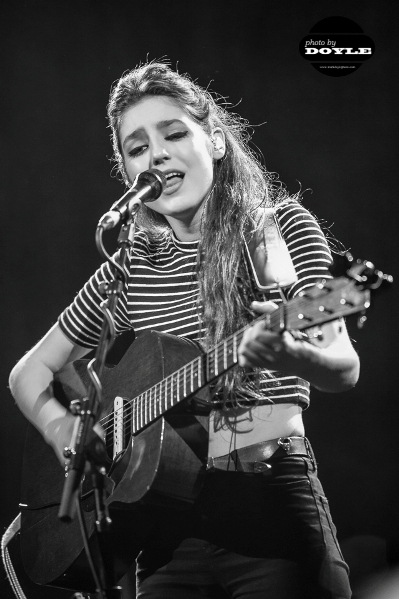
(253,457)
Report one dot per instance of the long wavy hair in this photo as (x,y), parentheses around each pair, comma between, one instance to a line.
(232,209)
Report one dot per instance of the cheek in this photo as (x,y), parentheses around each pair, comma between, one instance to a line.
(133,168)
(204,163)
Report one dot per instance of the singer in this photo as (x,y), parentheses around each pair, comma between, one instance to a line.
(260,527)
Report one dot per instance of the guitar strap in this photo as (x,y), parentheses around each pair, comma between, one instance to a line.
(268,261)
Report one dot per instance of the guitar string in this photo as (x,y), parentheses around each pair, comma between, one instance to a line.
(139,411)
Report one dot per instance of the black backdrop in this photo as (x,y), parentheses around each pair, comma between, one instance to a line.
(336,137)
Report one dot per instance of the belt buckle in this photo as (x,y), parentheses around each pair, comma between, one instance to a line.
(285,443)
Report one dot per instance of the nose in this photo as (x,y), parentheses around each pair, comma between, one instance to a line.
(159,156)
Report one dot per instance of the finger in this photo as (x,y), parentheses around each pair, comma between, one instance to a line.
(264,307)
(256,354)
(265,336)
(97,428)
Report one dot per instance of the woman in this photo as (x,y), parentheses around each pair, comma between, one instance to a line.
(261,525)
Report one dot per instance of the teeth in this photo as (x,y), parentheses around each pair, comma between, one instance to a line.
(174,174)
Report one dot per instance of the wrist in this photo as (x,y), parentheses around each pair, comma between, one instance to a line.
(59,433)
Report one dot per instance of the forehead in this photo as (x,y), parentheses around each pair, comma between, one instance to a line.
(149,112)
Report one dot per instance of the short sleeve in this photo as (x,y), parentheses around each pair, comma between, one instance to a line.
(81,322)
(306,244)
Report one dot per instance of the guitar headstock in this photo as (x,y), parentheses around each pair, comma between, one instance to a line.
(331,299)
(361,271)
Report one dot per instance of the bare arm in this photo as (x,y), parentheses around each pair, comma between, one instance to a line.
(330,365)
(31,385)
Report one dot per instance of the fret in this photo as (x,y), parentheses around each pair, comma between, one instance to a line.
(150,404)
(210,370)
(134,423)
(216,361)
(152,407)
(147,409)
(225,355)
(199,372)
(163,396)
(154,399)
(171,389)
(178,386)
(230,356)
(171,392)
(141,412)
(134,415)
(235,358)
(196,376)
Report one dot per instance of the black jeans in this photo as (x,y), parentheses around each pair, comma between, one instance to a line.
(248,536)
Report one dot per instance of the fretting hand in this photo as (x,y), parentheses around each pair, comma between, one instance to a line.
(266,349)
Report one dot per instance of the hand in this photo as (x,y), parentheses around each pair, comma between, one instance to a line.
(266,349)
(61,433)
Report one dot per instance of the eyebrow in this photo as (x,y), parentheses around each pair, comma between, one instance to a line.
(136,134)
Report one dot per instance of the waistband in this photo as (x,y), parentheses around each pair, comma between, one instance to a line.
(253,458)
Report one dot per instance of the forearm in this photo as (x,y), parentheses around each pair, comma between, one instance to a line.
(332,369)
(31,385)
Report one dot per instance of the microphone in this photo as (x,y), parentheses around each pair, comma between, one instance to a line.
(146,187)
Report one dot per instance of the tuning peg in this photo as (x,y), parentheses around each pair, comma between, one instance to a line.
(361,321)
(372,277)
(383,279)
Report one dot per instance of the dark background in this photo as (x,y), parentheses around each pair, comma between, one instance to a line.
(336,137)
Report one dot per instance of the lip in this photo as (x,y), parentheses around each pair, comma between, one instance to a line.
(171,187)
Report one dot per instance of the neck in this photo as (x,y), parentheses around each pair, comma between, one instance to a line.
(189,230)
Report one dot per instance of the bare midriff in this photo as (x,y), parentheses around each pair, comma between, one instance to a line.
(239,428)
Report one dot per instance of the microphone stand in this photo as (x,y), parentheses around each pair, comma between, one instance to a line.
(89,447)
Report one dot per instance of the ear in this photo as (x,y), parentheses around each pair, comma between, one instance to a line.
(219,143)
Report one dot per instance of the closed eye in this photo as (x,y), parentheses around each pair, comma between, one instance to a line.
(137,151)
(177,135)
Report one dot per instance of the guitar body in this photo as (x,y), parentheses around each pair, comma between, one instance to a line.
(161,465)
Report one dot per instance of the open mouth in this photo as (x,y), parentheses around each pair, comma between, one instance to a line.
(173,178)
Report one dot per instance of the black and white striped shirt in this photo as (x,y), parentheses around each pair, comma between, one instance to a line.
(162,290)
